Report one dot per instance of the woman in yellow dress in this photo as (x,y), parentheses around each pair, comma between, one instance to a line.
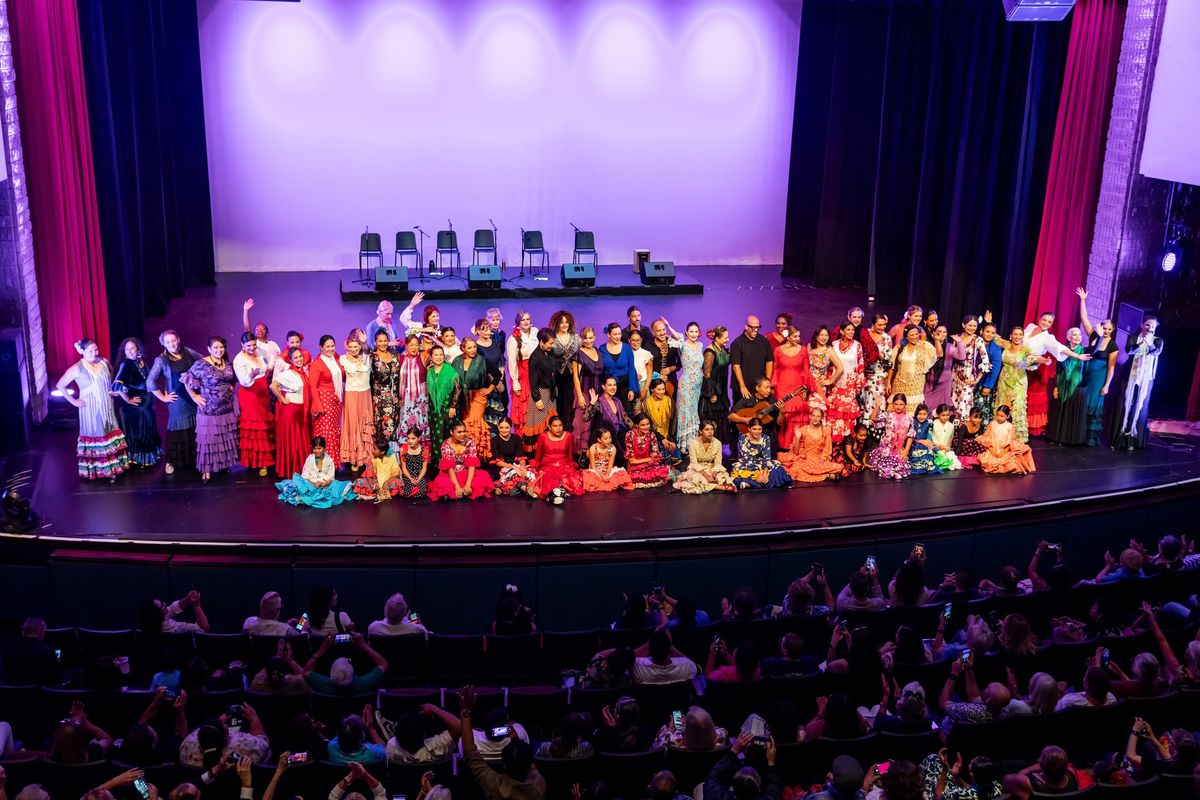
(913,359)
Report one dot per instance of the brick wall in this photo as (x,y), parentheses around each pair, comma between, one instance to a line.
(19,306)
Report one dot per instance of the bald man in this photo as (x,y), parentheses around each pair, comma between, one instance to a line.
(990,704)
(751,358)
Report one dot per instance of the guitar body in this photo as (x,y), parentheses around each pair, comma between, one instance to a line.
(764,410)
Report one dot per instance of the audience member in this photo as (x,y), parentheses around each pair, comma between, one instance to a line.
(742,667)
(844,781)
(901,781)
(514,617)
(658,662)
(609,669)
(792,661)
(907,589)
(635,614)
(957,587)
(29,660)
(397,620)
(146,744)
(1043,696)
(980,780)
(911,714)
(861,593)
(698,732)
(992,703)
(155,616)
(624,730)
(663,786)
(744,607)
(570,740)
(518,778)
(323,615)
(498,730)
(1129,567)
(77,740)
(409,744)
(213,742)
(1095,692)
(836,718)
(728,780)
(1149,756)
(358,774)
(1147,680)
(1008,584)
(800,600)
(1052,774)
(1060,578)
(281,675)
(267,622)
(357,740)
(341,678)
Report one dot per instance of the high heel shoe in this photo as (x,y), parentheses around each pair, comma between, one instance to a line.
(205,478)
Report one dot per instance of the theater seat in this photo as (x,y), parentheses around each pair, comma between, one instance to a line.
(538,708)
(628,774)
(563,773)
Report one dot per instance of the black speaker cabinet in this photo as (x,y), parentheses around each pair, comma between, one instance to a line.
(483,276)
(657,273)
(391,279)
(579,274)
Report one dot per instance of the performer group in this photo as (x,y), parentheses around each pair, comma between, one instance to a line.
(408,408)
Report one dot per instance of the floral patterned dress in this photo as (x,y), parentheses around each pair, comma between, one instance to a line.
(652,473)
(384,398)
(921,460)
(705,471)
(413,458)
(598,478)
(753,457)
(873,398)
(842,398)
(888,459)
(687,395)
(1012,389)
(460,462)
(216,422)
(810,459)
(970,365)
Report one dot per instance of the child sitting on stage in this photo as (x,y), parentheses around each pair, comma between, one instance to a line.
(942,432)
(381,481)
(1003,452)
(852,453)
(603,474)
(414,464)
(315,486)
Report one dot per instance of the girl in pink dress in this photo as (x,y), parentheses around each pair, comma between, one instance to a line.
(603,475)
(459,471)
(553,461)
(647,466)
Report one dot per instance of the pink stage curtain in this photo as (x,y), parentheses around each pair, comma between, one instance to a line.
(52,102)
(1076,161)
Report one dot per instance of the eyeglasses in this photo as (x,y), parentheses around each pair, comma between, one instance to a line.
(754,327)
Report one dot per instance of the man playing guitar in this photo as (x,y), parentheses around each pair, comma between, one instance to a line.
(763,405)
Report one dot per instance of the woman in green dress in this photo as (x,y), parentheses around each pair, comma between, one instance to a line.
(1012,389)
(443,385)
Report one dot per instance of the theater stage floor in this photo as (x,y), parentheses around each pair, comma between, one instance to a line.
(242,508)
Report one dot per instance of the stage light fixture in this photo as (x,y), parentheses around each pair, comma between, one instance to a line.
(1170,260)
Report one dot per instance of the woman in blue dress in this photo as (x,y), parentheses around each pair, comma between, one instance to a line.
(754,468)
(921,459)
(316,486)
(691,377)
(138,419)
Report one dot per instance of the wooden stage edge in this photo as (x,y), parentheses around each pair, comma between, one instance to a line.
(612,280)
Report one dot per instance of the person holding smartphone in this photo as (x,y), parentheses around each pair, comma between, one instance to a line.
(993,703)
(862,592)
(518,778)
(341,678)
(398,620)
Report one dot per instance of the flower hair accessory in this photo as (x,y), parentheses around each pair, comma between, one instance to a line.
(511,588)
(79,347)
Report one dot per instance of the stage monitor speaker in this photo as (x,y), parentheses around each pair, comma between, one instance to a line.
(391,279)
(14,393)
(483,276)
(658,273)
(579,274)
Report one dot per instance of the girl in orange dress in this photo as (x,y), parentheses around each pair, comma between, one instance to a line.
(810,459)
(602,474)
(1003,452)
(477,382)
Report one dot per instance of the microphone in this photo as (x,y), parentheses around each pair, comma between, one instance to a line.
(451,224)
(492,221)
(573,225)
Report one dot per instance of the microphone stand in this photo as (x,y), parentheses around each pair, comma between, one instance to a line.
(522,275)
(421,251)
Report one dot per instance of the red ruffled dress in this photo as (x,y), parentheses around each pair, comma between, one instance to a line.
(554,464)
(458,462)
(256,423)
(293,437)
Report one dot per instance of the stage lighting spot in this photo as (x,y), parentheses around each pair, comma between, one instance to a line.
(511,58)
(623,57)
(1171,258)
(721,61)
(400,56)
(291,53)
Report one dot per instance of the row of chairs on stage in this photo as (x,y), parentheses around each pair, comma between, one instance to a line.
(370,247)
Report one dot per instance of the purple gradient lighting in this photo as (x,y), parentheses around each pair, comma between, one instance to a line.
(664,125)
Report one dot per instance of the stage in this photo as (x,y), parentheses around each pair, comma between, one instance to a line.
(612,280)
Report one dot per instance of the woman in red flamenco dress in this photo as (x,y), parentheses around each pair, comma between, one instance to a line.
(460,475)
(293,438)
(553,461)
(328,380)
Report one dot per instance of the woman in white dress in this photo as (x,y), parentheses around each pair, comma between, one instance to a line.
(102,450)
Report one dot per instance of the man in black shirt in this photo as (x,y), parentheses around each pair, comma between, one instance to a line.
(30,659)
(664,358)
(770,416)
(635,324)
(751,357)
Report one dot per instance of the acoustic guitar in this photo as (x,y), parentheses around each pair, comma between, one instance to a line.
(764,411)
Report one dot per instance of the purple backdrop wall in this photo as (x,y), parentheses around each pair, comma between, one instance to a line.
(664,125)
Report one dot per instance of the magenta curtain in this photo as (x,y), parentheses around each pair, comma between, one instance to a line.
(1076,161)
(52,102)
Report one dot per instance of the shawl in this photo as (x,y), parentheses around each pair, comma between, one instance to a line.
(1069,375)
(412,376)
(474,374)
(440,385)
(335,371)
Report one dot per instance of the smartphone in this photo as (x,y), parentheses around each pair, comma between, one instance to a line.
(870,563)
(413,617)
(1053,546)
(946,612)
(142,787)
(656,589)
(881,768)
(568,681)
(500,732)
(1105,658)
(298,758)
(170,694)
(303,621)
(818,568)
(234,710)
(58,655)
(399,797)
(919,550)
(677,719)
(342,638)
(966,656)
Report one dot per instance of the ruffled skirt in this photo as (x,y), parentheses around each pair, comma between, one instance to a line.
(593,481)
(102,457)
(298,491)
(358,429)
(216,441)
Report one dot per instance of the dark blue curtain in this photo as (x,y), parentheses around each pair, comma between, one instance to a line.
(920,146)
(146,109)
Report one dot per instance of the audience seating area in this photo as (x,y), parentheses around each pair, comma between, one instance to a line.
(525,674)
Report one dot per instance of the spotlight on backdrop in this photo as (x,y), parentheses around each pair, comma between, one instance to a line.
(1170,259)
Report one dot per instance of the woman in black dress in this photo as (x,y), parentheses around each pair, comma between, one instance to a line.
(714,391)
(169,369)
(137,412)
